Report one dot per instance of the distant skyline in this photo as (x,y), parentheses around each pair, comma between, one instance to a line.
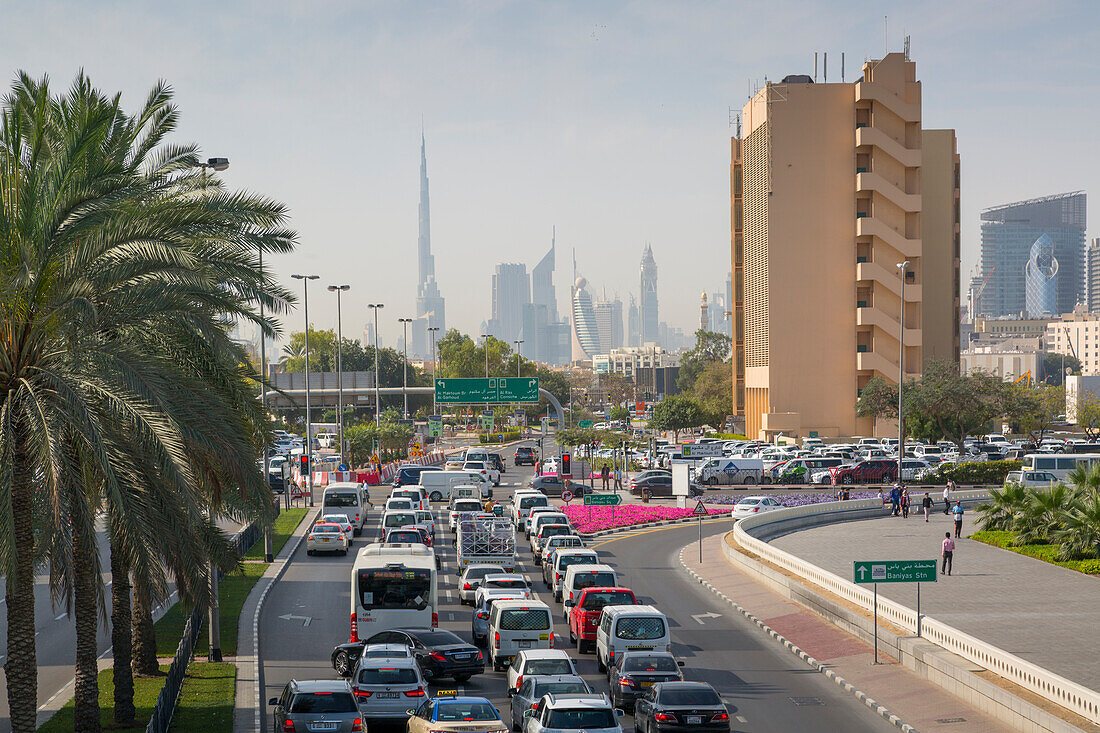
(609,121)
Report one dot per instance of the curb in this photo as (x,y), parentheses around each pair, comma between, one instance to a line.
(794,649)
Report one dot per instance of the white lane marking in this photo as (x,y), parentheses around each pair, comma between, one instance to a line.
(450,597)
(64,615)
(450,616)
(741,719)
(700,616)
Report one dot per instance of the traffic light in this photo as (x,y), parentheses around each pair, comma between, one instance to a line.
(304,464)
(565,464)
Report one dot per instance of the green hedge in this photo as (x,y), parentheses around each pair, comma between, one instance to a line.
(984,472)
(1046,553)
(505,437)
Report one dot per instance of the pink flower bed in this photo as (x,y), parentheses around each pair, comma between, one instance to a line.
(596,518)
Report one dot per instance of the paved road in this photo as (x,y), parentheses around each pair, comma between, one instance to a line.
(767,689)
(982,597)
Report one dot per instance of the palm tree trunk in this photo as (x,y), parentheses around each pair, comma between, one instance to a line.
(144,638)
(121,638)
(86,608)
(21,669)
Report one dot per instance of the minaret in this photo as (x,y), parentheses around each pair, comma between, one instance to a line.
(704,313)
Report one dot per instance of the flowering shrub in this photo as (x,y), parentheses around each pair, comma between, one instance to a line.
(586,519)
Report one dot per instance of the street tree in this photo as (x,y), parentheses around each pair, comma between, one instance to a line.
(1034,410)
(1088,414)
(676,413)
(710,347)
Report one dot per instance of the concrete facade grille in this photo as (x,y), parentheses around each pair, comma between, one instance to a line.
(756,247)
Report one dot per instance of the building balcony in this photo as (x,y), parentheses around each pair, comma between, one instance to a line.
(874,272)
(877,138)
(872,227)
(873,182)
(877,93)
(875,318)
(872,361)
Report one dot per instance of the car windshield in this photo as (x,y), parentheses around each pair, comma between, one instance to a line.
(690,696)
(594,601)
(549,666)
(343,498)
(559,688)
(437,638)
(582,718)
(525,619)
(635,663)
(388,676)
(456,711)
(323,702)
(391,589)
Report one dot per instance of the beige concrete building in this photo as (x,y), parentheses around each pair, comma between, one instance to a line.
(1000,327)
(832,186)
(1011,359)
(1077,334)
(1092,275)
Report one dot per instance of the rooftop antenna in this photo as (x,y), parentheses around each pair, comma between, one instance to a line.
(885,27)
(842,67)
(907,48)
(738,125)
(815,65)
(825,66)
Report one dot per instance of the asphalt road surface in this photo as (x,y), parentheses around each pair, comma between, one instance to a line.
(766,689)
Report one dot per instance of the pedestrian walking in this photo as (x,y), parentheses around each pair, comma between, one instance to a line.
(606,477)
(958,512)
(926,503)
(895,500)
(905,503)
(947,496)
(618,479)
(948,553)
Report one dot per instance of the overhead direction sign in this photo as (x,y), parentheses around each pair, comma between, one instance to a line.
(894,571)
(476,390)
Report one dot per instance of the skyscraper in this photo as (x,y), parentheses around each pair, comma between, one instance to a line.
(609,321)
(1094,275)
(542,281)
(1008,234)
(511,292)
(1040,284)
(586,334)
(430,308)
(803,215)
(633,324)
(647,307)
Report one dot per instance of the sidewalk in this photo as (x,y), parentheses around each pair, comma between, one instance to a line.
(917,702)
(1024,606)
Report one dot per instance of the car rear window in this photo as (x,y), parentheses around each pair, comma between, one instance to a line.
(635,663)
(388,676)
(399,519)
(412,537)
(594,601)
(462,711)
(343,498)
(525,619)
(468,506)
(566,560)
(532,501)
(549,666)
(323,702)
(690,696)
(560,688)
(589,579)
(640,628)
(583,718)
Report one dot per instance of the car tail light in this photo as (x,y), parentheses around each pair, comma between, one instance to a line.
(664,717)
(721,717)
(288,725)
(626,682)
(519,682)
(438,657)
(418,692)
(755,509)
(354,629)
(551,639)
(557,576)
(611,659)
(496,640)
(435,620)
(482,614)
(357,725)
(466,586)
(362,693)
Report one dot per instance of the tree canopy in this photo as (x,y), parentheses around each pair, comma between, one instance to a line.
(710,348)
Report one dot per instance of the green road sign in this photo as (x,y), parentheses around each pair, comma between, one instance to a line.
(602,500)
(584,423)
(895,571)
(435,426)
(491,390)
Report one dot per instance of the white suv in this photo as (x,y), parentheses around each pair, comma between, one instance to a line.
(572,714)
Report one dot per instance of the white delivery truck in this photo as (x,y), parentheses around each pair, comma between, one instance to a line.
(438,484)
(746,471)
(485,539)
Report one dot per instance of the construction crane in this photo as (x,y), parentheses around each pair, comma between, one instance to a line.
(1025,376)
(981,289)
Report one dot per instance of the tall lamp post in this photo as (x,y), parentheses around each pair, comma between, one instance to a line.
(338,289)
(435,367)
(309,423)
(485,342)
(902,268)
(517,343)
(405,359)
(377,395)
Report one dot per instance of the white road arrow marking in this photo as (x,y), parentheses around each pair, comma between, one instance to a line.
(291,617)
(700,616)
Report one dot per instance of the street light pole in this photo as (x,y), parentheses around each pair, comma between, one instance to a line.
(405,353)
(517,343)
(338,289)
(903,268)
(485,343)
(377,375)
(309,422)
(435,368)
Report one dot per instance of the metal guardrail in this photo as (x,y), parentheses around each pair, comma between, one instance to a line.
(1066,693)
(161,717)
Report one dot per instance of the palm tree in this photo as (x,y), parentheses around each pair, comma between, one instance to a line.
(107,237)
(1003,508)
(1042,514)
(1079,534)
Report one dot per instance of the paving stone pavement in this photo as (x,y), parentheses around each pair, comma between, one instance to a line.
(1040,612)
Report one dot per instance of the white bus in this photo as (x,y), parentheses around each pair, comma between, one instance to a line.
(393,586)
(1059,464)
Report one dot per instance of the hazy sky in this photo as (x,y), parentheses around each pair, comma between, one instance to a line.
(607,119)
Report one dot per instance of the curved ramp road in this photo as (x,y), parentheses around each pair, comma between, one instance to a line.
(766,688)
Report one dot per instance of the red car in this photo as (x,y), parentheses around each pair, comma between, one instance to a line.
(585,616)
(874,471)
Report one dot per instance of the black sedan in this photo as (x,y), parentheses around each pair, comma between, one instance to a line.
(554,485)
(656,485)
(681,707)
(636,672)
(439,653)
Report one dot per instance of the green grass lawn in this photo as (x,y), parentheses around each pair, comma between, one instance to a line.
(285,524)
(146,690)
(1046,553)
(206,700)
(232,591)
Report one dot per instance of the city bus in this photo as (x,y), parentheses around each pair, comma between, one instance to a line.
(1059,464)
(392,586)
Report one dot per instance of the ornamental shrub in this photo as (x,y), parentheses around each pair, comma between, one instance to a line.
(983,472)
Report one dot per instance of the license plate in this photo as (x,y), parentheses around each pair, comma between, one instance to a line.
(694,719)
(323,539)
(323,726)
(524,643)
(462,656)
(386,695)
(645,684)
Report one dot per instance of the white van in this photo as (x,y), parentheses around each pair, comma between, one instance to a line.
(714,471)
(562,560)
(522,504)
(349,498)
(515,625)
(628,629)
(438,484)
(585,576)
(395,520)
